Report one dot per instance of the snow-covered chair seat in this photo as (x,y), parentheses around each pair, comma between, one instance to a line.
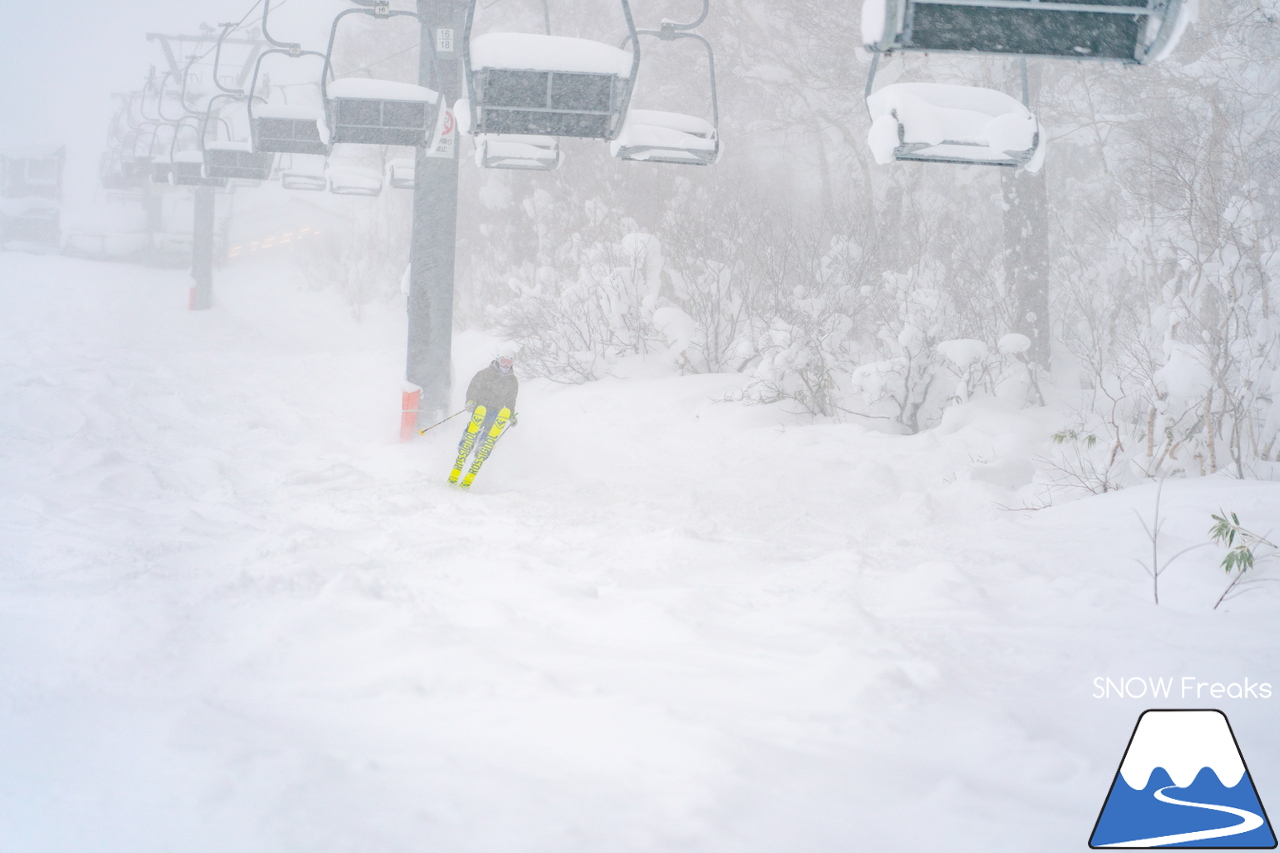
(237,160)
(303,179)
(540,85)
(287,129)
(400,173)
(516,151)
(380,112)
(303,172)
(1118,30)
(661,137)
(354,180)
(944,123)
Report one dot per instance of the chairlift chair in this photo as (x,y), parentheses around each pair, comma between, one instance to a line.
(518,151)
(237,160)
(529,84)
(947,123)
(1129,31)
(286,128)
(304,176)
(129,168)
(187,168)
(353,180)
(228,158)
(369,111)
(188,165)
(400,173)
(161,165)
(657,136)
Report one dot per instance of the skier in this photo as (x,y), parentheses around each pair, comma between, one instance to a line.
(491,398)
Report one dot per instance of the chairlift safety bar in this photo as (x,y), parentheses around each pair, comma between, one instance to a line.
(680,31)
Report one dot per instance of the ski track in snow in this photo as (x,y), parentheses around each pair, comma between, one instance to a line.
(236,614)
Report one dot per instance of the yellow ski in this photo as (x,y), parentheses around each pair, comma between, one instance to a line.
(504,415)
(468,442)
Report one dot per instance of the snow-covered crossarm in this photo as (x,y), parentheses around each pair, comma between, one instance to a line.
(663,137)
(945,123)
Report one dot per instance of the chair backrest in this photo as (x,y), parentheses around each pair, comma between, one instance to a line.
(545,85)
(1112,30)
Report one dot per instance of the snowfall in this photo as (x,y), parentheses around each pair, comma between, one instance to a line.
(238,614)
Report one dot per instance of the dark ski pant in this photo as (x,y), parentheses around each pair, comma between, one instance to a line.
(490,416)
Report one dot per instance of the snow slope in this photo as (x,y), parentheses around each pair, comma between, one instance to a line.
(235,614)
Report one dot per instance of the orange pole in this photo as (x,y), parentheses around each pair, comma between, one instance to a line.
(410,399)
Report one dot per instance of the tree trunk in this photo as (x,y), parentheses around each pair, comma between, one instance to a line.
(1026,247)
(1026,257)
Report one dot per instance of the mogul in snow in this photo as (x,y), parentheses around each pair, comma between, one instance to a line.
(491,399)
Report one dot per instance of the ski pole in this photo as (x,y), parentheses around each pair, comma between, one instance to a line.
(437,423)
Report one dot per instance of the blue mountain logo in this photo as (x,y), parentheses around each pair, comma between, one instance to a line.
(1183,783)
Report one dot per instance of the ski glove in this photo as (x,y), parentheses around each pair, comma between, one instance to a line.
(471,406)
(514,420)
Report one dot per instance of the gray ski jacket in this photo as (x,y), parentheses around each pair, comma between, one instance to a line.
(493,389)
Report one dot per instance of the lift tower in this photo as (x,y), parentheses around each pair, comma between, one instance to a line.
(435,220)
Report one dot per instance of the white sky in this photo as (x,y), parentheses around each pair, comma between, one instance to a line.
(61,62)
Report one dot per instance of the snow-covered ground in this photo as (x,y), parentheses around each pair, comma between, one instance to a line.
(236,614)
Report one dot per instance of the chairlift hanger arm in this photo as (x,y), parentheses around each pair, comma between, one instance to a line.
(209,116)
(669,26)
(217,58)
(670,35)
(128,110)
(292,48)
(142,107)
(186,72)
(287,50)
(546,14)
(160,100)
(635,58)
(871,79)
(177,131)
(374,9)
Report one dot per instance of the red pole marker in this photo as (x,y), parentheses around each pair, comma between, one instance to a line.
(410,398)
